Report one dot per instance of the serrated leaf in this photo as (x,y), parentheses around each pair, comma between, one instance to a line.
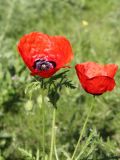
(26,154)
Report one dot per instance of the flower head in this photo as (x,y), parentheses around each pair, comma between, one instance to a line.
(95,78)
(85,23)
(43,54)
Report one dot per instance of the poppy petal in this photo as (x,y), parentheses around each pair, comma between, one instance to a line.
(98,85)
(91,69)
(111,69)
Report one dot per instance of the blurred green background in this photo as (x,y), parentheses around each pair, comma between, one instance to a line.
(93,28)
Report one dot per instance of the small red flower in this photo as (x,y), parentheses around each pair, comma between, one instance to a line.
(44,54)
(95,78)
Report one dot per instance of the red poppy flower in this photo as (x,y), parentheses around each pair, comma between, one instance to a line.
(95,78)
(44,54)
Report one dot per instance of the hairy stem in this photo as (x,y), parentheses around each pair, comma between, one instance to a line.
(52,134)
(43,122)
(83,129)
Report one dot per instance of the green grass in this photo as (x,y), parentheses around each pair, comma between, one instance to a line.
(21,117)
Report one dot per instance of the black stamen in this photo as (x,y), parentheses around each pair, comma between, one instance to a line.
(43,65)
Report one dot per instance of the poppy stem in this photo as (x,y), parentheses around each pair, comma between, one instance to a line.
(52,134)
(83,128)
(43,122)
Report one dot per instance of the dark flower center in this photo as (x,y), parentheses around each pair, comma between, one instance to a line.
(43,65)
